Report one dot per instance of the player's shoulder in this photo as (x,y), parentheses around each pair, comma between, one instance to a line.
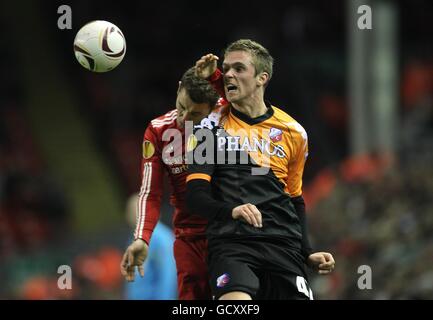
(289,122)
(164,121)
(214,119)
(282,116)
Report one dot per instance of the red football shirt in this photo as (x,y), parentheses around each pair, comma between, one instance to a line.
(159,158)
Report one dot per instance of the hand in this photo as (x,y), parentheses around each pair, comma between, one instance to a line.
(323,262)
(134,256)
(206,66)
(249,213)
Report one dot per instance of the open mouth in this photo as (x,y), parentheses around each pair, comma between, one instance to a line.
(231,87)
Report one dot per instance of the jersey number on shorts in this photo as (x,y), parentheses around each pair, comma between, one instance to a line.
(301,283)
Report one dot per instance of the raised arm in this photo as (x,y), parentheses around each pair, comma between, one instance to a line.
(206,68)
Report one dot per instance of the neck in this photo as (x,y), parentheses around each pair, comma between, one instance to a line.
(252,107)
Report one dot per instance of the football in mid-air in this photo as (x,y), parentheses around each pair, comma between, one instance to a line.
(99,46)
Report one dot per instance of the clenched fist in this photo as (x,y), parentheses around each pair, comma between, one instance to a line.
(323,262)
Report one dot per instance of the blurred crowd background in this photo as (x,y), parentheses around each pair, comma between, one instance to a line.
(70,140)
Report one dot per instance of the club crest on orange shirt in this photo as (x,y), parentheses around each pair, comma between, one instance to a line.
(275,134)
(148,149)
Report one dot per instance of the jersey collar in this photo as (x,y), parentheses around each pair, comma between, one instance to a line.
(252,121)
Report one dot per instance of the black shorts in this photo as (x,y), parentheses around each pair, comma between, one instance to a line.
(263,269)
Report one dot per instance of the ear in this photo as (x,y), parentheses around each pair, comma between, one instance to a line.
(262,78)
(178,88)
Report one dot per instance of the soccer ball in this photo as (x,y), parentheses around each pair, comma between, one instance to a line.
(99,46)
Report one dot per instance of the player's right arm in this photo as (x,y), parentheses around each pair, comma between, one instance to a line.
(148,205)
(206,68)
(199,197)
(198,190)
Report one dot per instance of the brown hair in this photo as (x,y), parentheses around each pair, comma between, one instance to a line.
(199,90)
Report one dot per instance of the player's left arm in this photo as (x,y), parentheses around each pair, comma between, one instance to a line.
(299,153)
(323,262)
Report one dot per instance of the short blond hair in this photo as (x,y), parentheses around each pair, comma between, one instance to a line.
(262,60)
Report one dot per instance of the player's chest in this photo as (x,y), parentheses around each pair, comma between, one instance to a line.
(266,144)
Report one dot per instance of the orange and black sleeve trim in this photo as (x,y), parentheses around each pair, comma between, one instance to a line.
(195,176)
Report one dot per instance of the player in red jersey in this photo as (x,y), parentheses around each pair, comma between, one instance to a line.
(163,152)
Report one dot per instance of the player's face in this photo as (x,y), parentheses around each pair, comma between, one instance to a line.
(240,81)
(187,110)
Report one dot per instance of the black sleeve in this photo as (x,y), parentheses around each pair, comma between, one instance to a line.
(199,198)
(299,204)
(200,201)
